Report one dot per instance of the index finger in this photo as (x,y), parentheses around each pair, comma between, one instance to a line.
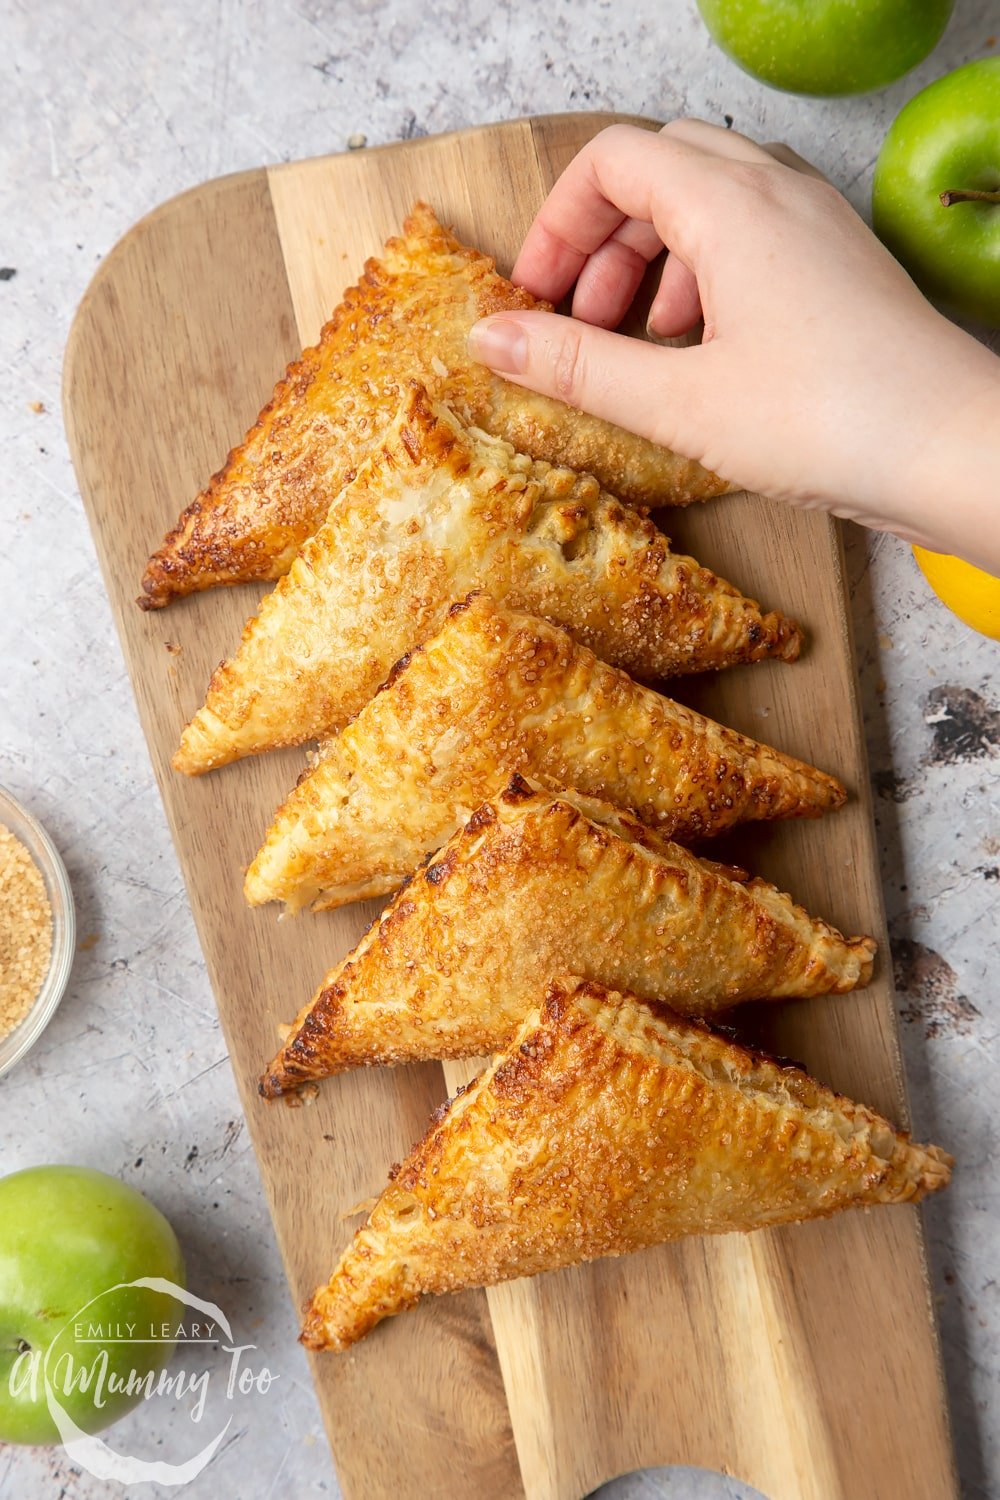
(626,172)
(590,200)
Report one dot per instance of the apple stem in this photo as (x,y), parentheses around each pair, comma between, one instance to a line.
(23,1346)
(969,195)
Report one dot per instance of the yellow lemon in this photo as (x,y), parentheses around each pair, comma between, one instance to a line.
(971,594)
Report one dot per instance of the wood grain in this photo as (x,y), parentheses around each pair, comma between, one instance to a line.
(803,1360)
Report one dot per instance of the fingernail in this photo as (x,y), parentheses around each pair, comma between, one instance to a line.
(652,332)
(500,343)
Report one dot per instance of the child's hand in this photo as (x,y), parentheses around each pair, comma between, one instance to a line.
(823,376)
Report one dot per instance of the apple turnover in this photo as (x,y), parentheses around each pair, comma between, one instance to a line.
(438,509)
(536,884)
(407,319)
(496,692)
(608,1126)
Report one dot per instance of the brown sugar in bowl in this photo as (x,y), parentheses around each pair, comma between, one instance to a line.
(37,930)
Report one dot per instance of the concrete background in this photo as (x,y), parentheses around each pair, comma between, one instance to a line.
(110,108)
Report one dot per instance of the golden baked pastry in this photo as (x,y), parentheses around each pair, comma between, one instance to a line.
(494,692)
(406,320)
(536,884)
(607,1126)
(435,510)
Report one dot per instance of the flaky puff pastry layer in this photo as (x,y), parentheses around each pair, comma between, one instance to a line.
(536,884)
(408,319)
(607,1126)
(438,509)
(495,692)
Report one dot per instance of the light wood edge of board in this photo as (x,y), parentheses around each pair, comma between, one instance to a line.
(569,118)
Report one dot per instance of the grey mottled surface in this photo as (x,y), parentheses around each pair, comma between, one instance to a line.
(109,108)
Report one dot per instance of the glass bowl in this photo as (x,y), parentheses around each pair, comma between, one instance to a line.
(32,835)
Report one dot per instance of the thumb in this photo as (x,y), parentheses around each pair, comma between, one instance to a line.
(646,388)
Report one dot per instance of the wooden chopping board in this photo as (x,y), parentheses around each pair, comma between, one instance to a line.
(803,1360)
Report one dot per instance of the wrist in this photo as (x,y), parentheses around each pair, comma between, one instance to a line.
(947,492)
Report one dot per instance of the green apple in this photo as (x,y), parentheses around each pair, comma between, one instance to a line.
(827,46)
(68,1235)
(936,195)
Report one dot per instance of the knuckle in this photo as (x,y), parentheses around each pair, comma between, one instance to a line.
(824,192)
(682,126)
(753,177)
(760,187)
(615,133)
(601,144)
(568,367)
(611,142)
(777,189)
